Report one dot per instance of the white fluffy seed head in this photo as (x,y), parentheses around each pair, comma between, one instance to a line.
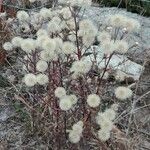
(42,79)
(60,92)
(41,39)
(120,75)
(53,27)
(117,20)
(121,46)
(103,135)
(16,41)
(78,127)
(28,45)
(103,36)
(124,22)
(22,16)
(132,25)
(87,31)
(59,44)
(32,1)
(74,137)
(91,32)
(81,67)
(45,13)
(41,32)
(70,24)
(65,103)
(72,37)
(66,13)
(88,40)
(30,80)
(48,55)
(49,45)
(85,24)
(93,100)
(108,47)
(8,46)
(115,107)
(110,114)
(68,48)
(56,19)
(106,124)
(100,118)
(73,99)
(123,93)
(41,65)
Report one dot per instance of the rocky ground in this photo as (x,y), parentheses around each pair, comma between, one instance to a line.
(12,136)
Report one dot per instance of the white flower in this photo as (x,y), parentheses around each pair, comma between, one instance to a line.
(103,135)
(85,24)
(110,114)
(117,20)
(56,19)
(42,79)
(114,107)
(22,16)
(123,93)
(78,127)
(91,32)
(103,36)
(32,1)
(131,25)
(108,47)
(16,41)
(88,40)
(124,22)
(59,44)
(53,27)
(41,39)
(72,37)
(8,46)
(68,48)
(65,103)
(100,118)
(45,13)
(120,75)
(87,29)
(49,44)
(41,32)
(93,100)
(70,24)
(41,66)
(60,92)
(121,46)
(48,55)
(73,99)
(74,137)
(28,45)
(66,13)
(106,125)
(30,79)
(81,67)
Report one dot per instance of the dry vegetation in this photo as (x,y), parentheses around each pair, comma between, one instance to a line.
(41,118)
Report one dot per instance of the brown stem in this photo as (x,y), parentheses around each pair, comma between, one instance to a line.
(76,34)
(82,95)
(105,69)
